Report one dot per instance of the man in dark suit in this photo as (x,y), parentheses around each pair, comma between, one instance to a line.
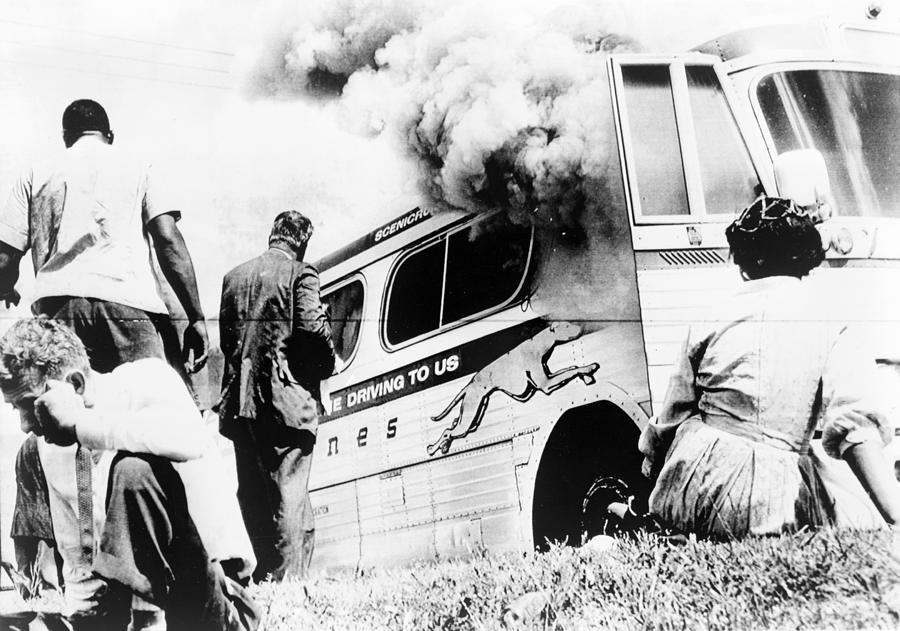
(276,339)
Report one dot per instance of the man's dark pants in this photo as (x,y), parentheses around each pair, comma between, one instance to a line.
(150,547)
(273,475)
(112,333)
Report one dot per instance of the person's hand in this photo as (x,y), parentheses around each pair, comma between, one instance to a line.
(196,346)
(11,298)
(58,411)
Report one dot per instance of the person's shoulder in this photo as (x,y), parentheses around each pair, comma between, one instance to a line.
(46,168)
(273,258)
(306,276)
(245,267)
(125,159)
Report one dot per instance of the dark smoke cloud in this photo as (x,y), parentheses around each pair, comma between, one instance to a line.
(500,106)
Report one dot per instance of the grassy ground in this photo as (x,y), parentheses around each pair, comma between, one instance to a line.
(824,580)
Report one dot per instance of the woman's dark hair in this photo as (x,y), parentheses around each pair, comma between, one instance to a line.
(773,237)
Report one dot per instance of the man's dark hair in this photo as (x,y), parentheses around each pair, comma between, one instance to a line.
(293,230)
(773,237)
(82,116)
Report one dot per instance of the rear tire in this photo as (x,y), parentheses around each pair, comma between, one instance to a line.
(587,444)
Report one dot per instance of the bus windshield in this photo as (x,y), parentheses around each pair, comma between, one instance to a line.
(853,120)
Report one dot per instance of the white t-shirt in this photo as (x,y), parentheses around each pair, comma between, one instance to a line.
(101,248)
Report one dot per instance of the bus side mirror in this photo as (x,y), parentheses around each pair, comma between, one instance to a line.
(802,176)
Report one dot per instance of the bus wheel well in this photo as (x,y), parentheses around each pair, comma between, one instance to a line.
(587,443)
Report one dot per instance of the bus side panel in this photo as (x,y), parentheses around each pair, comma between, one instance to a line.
(337,526)
(412,505)
(448,506)
(671,299)
(470,491)
(396,516)
(614,352)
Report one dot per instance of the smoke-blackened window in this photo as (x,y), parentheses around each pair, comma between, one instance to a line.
(483,270)
(345,309)
(464,275)
(414,303)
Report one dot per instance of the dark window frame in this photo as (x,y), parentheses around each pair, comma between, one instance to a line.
(337,286)
(516,297)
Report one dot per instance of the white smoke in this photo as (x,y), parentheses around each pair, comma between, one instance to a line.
(317,46)
(498,105)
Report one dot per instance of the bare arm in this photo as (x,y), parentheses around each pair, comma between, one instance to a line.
(178,268)
(14,237)
(857,420)
(871,468)
(9,273)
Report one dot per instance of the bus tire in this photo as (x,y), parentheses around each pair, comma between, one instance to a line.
(590,444)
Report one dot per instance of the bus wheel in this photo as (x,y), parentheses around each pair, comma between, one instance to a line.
(589,462)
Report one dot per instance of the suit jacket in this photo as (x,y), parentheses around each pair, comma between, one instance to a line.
(276,340)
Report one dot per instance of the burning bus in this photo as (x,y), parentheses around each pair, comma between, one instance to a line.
(491,374)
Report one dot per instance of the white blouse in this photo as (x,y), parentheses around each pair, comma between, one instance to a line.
(768,364)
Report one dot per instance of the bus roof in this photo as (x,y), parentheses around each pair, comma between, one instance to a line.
(386,233)
(873,39)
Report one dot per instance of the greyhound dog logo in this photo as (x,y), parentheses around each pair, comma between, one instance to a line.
(519,374)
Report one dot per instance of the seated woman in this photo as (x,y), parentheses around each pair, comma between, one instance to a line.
(730,445)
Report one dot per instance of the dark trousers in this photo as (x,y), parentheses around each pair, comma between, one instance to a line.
(150,547)
(273,473)
(112,333)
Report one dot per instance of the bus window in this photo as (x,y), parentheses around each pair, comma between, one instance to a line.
(464,274)
(414,306)
(345,305)
(656,153)
(851,118)
(484,269)
(729,180)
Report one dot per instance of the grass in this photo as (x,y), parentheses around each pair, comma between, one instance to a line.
(823,580)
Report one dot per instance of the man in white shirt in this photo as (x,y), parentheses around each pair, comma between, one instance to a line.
(124,519)
(92,224)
